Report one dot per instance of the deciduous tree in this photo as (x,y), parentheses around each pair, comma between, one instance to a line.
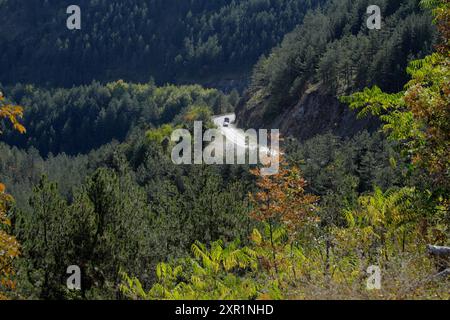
(9,247)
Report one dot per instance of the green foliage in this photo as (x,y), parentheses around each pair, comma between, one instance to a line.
(137,224)
(217,273)
(199,113)
(41,233)
(158,135)
(103,230)
(382,230)
(418,117)
(189,203)
(384,222)
(83,118)
(9,247)
(378,101)
(333,51)
(122,208)
(171,40)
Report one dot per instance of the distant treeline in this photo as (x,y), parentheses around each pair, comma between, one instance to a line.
(83,118)
(137,39)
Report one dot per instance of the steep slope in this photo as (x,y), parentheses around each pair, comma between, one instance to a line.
(315,113)
(296,88)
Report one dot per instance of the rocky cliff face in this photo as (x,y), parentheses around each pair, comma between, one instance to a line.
(315,113)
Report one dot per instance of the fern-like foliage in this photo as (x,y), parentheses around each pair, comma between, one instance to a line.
(218,272)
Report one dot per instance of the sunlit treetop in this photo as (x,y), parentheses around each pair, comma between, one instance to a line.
(11,113)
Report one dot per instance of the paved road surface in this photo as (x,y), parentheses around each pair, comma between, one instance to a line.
(232,133)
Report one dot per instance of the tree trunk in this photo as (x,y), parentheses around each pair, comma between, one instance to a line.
(441,256)
(438,251)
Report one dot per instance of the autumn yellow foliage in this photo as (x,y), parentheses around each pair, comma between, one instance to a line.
(9,247)
(12,113)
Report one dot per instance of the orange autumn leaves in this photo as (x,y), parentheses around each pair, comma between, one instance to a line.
(281,199)
(12,113)
(9,247)
(286,211)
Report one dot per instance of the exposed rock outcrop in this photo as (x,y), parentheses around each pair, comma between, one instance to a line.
(317,112)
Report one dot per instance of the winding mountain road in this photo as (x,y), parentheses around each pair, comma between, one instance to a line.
(236,135)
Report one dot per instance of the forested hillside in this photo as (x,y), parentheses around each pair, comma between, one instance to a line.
(159,207)
(87,176)
(331,53)
(83,118)
(134,40)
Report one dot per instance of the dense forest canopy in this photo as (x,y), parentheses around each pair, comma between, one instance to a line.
(94,184)
(334,52)
(83,118)
(137,39)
